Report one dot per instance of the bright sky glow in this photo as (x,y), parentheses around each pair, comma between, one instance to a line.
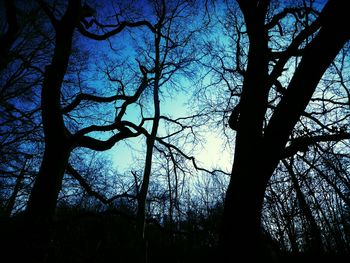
(209,155)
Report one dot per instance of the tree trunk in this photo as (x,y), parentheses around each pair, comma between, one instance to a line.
(12,200)
(257,152)
(241,228)
(315,239)
(142,196)
(43,198)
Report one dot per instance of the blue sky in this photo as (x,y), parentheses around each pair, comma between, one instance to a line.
(178,103)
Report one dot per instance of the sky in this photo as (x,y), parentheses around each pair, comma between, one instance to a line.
(209,155)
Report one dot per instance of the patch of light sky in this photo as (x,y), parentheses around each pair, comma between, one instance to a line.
(209,155)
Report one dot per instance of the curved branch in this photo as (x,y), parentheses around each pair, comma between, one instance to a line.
(76,175)
(286,11)
(99,145)
(170,146)
(115,31)
(292,49)
(83,96)
(190,158)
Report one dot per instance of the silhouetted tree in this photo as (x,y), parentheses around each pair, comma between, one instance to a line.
(263,141)
(20,78)
(264,74)
(59,142)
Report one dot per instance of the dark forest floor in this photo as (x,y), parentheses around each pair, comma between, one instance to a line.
(98,239)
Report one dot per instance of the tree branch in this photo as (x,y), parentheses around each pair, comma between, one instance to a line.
(76,175)
(99,145)
(115,31)
(291,50)
(319,54)
(286,11)
(49,13)
(83,96)
(302,144)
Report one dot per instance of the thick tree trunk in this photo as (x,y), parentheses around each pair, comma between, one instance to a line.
(240,233)
(43,198)
(241,236)
(257,153)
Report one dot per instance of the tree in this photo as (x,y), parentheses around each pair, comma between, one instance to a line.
(276,81)
(265,145)
(59,142)
(21,75)
(166,61)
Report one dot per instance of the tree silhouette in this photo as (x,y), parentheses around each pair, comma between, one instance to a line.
(83,81)
(265,145)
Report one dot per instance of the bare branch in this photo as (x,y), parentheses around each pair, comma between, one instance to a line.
(99,145)
(119,28)
(302,144)
(292,49)
(49,13)
(75,174)
(83,96)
